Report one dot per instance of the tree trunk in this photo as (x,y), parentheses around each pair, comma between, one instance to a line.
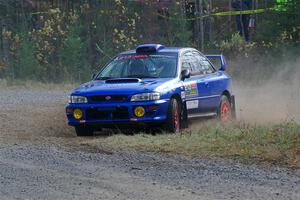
(201,25)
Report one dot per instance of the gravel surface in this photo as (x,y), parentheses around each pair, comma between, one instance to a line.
(41,158)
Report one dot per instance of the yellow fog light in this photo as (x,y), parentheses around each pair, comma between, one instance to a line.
(77,113)
(139,111)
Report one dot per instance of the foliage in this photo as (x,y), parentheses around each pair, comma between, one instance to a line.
(281,27)
(175,29)
(48,39)
(124,31)
(235,45)
(74,56)
(26,66)
(66,41)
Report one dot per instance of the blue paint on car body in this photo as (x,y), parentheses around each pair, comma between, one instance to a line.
(150,76)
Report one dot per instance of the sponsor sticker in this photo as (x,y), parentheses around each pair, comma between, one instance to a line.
(191,89)
(132,56)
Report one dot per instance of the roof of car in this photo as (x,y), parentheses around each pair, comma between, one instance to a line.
(164,50)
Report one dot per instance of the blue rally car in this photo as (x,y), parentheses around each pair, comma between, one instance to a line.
(152,86)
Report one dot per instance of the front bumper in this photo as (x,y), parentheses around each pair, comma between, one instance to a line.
(119,113)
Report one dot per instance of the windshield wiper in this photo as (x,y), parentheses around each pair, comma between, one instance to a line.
(103,78)
(141,76)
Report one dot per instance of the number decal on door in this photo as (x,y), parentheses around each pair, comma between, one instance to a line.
(192,104)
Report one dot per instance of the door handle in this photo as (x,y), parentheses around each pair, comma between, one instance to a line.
(206,84)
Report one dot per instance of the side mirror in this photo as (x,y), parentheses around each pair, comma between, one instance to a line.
(185,74)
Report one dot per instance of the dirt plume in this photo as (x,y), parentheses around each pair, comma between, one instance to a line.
(271,96)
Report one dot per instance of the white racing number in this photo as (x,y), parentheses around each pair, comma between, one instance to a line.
(192,104)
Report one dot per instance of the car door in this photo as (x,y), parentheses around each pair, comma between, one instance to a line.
(196,90)
(212,79)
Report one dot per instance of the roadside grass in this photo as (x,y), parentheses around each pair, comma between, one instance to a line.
(279,143)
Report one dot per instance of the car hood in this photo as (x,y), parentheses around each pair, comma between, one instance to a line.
(122,86)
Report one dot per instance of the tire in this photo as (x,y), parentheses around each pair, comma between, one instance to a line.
(83,131)
(173,117)
(225,113)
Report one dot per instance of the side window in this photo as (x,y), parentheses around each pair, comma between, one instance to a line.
(204,67)
(185,65)
(189,62)
(207,66)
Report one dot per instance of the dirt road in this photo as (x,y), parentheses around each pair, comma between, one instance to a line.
(40,158)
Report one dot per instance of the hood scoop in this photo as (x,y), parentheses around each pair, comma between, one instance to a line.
(123,80)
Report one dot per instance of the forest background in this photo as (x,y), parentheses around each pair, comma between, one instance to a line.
(67,40)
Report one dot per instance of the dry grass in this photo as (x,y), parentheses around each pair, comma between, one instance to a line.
(274,143)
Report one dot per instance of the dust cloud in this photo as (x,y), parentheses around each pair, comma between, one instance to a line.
(268,96)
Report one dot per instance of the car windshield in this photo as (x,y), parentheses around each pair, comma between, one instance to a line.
(140,66)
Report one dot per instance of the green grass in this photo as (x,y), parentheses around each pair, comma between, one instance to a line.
(274,143)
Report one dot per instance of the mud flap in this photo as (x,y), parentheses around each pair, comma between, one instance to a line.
(233,109)
(184,117)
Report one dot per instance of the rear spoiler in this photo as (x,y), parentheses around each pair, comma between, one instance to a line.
(221,60)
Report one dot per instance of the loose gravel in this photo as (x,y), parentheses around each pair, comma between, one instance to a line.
(41,158)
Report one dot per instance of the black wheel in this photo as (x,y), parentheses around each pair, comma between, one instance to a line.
(84,130)
(173,118)
(225,110)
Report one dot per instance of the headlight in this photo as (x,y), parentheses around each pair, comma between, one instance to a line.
(77,99)
(146,96)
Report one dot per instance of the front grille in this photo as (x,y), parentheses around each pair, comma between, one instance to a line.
(120,112)
(103,98)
